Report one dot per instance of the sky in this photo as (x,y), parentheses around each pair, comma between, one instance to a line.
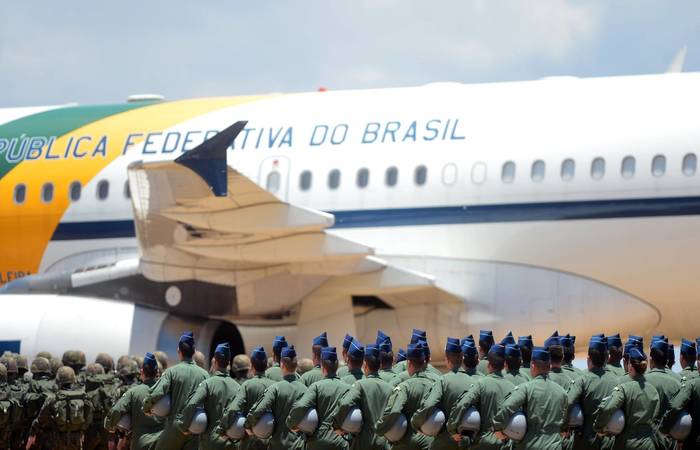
(101,52)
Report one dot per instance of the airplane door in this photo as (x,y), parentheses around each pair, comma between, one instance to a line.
(274,176)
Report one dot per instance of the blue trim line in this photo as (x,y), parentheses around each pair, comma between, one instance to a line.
(444,215)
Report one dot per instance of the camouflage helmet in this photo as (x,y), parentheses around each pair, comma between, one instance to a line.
(22,363)
(162,358)
(129,370)
(9,363)
(122,362)
(199,359)
(74,358)
(55,364)
(44,354)
(106,361)
(240,363)
(65,375)
(95,369)
(138,359)
(3,373)
(41,365)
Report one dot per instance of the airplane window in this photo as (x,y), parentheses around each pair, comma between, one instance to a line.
(537,171)
(392,176)
(20,193)
(127,190)
(568,169)
(449,174)
(305,180)
(47,193)
(362,178)
(508,172)
(690,164)
(628,166)
(597,168)
(478,173)
(74,191)
(420,176)
(658,166)
(272,184)
(334,179)
(103,189)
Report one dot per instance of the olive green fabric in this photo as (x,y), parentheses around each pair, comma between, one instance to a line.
(275,372)
(672,373)
(212,394)
(525,371)
(483,366)
(571,371)
(588,391)
(559,376)
(443,395)
(250,392)
(486,395)
(667,386)
(639,400)
(406,398)
(324,396)
(516,377)
(370,395)
(403,376)
(57,425)
(145,430)
(278,399)
(543,402)
(689,372)
(687,399)
(342,371)
(434,370)
(353,375)
(400,367)
(102,398)
(180,381)
(312,376)
(616,369)
(386,374)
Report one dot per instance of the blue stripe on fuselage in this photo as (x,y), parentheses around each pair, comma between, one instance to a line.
(445,215)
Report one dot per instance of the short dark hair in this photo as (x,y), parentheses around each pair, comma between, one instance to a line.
(221,360)
(150,371)
(513,362)
(542,366)
(259,365)
(690,359)
(496,361)
(597,357)
(354,362)
(289,363)
(615,354)
(556,352)
(658,357)
(569,353)
(470,361)
(526,354)
(372,363)
(454,359)
(330,366)
(386,359)
(485,345)
(420,362)
(316,350)
(186,349)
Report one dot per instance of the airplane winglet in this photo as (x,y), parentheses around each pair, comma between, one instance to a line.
(208,159)
(676,65)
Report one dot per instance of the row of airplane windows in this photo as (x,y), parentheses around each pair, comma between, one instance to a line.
(628,169)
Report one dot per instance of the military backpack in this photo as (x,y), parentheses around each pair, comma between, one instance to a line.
(71,411)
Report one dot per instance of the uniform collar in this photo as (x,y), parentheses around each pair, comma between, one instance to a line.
(219,373)
(373,375)
(149,381)
(290,378)
(498,374)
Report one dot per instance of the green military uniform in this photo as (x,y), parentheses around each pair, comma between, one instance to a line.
(370,395)
(212,394)
(588,391)
(18,391)
(516,377)
(312,376)
(486,395)
(324,396)
(434,370)
(689,372)
(353,375)
(525,371)
(342,372)
(96,437)
(673,374)
(544,403)
(145,430)
(406,398)
(483,366)
(616,369)
(403,376)
(571,371)
(399,367)
(250,391)
(639,400)
(560,377)
(278,399)
(667,387)
(443,395)
(386,374)
(274,373)
(180,381)
(10,411)
(688,399)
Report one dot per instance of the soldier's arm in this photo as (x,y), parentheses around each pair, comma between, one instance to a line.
(393,409)
(196,400)
(299,408)
(350,399)
(512,404)
(237,405)
(261,407)
(123,406)
(157,391)
(609,405)
(469,398)
(428,405)
(678,403)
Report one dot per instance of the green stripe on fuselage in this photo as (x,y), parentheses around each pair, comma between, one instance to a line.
(57,122)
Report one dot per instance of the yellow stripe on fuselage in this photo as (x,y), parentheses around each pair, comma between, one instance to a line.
(25,230)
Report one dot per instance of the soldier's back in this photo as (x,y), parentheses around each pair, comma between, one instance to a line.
(560,377)
(370,394)
(516,377)
(145,430)
(312,376)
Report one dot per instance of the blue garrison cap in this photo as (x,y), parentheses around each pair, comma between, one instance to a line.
(469,338)
(540,354)
(632,337)
(498,349)
(660,345)
(697,343)
(401,355)
(596,339)
(224,350)
(279,342)
(565,341)
(513,351)
(597,344)
(688,348)
(469,348)
(381,337)
(486,336)
(187,338)
(149,361)
(371,350)
(426,349)
(629,346)
(347,340)
(259,353)
(329,354)
(525,341)
(573,339)
(415,351)
(289,352)
(385,346)
(452,345)
(659,337)
(417,335)
(508,339)
(615,340)
(637,354)
(551,341)
(321,340)
(356,349)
